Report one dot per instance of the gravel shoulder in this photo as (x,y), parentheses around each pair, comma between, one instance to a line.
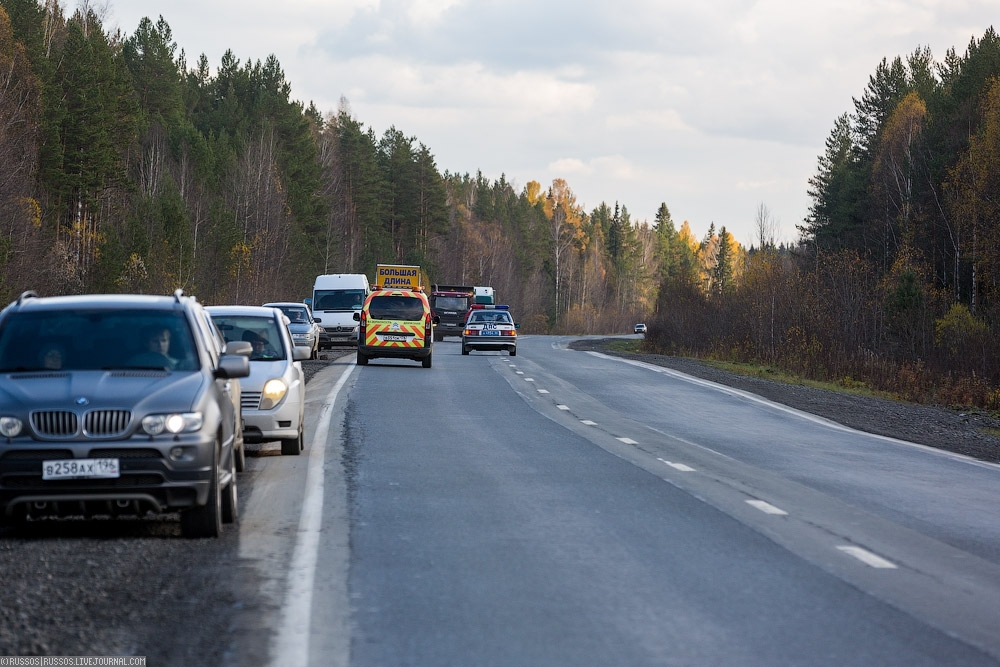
(951,430)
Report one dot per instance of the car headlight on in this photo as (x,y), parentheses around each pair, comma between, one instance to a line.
(274,391)
(10,427)
(180,422)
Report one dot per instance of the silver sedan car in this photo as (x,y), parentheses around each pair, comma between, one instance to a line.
(305,330)
(274,394)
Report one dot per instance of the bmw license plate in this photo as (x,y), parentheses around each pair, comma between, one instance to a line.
(81,469)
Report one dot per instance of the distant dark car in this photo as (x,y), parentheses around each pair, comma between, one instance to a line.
(640,328)
(117,405)
(305,331)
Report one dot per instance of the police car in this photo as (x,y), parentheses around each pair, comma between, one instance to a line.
(490,327)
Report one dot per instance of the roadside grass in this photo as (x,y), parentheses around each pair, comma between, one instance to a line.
(630,345)
(765,372)
(845,386)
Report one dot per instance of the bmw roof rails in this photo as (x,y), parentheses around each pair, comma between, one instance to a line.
(30,294)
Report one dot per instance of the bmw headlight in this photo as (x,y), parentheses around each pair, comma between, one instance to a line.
(274,392)
(178,422)
(10,427)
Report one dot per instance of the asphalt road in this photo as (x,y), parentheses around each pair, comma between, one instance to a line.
(553,508)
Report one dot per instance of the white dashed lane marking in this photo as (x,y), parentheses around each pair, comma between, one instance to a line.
(767,508)
(628,441)
(588,422)
(867,557)
(677,466)
(563,407)
(543,391)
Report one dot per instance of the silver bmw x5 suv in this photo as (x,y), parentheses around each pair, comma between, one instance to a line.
(117,405)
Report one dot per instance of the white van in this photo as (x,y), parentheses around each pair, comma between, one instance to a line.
(335,299)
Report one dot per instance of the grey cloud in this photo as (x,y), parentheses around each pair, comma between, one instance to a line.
(517,34)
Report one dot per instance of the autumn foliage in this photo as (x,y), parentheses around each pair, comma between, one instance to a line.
(128,168)
(895,281)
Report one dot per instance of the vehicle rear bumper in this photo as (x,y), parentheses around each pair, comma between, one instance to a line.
(489,343)
(375,352)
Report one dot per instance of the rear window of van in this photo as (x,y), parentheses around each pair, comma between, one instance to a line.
(396,308)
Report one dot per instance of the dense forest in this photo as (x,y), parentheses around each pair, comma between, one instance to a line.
(129,168)
(894,281)
(126,168)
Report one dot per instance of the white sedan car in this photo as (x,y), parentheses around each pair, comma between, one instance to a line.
(490,327)
(274,395)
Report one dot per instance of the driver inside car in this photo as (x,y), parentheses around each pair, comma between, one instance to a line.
(156,353)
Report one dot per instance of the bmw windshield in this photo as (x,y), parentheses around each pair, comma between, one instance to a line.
(100,339)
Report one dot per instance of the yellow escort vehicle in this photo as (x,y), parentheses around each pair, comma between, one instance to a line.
(396,322)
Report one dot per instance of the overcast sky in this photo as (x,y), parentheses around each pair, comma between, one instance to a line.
(712,107)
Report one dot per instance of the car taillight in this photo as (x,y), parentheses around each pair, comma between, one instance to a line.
(508,332)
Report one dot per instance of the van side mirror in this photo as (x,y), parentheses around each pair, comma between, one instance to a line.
(357,316)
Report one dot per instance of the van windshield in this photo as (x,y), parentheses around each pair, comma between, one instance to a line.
(406,308)
(338,299)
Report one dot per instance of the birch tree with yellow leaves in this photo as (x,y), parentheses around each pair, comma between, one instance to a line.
(565,219)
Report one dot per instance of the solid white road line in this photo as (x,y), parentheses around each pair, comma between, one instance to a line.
(291,645)
(867,557)
(767,508)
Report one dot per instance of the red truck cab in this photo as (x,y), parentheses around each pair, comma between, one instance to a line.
(451,305)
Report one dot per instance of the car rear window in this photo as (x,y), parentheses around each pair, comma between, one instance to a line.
(502,317)
(396,307)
